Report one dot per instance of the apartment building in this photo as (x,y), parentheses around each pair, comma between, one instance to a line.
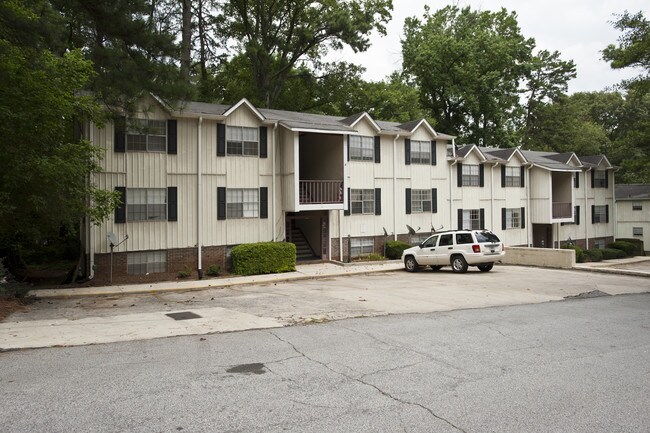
(197,178)
(633,213)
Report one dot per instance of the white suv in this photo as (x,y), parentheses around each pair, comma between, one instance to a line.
(456,248)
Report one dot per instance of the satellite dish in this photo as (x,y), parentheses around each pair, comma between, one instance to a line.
(433,230)
(385,232)
(411,231)
(112,238)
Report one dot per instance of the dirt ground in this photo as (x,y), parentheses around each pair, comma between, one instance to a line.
(9,305)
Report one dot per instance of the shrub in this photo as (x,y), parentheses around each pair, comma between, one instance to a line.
(185,273)
(638,245)
(580,254)
(213,270)
(594,255)
(264,258)
(612,253)
(370,257)
(628,247)
(394,249)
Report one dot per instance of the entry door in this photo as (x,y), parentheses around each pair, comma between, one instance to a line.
(542,236)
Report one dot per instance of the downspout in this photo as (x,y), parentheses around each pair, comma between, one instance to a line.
(91,237)
(492,194)
(199,207)
(586,207)
(395,187)
(451,201)
(614,207)
(275,126)
(529,224)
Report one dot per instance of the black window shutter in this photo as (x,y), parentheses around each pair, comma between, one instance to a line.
(221,203)
(593,213)
(577,215)
(172,203)
(592,178)
(120,210)
(172,137)
(264,152)
(522,175)
(119,142)
(348,147)
(503,218)
(459,175)
(460,219)
(482,218)
(434,157)
(377,149)
(481,175)
(607,213)
(503,176)
(523,217)
(434,200)
(346,212)
(407,151)
(264,202)
(576,180)
(377,201)
(606,179)
(408,201)
(221,142)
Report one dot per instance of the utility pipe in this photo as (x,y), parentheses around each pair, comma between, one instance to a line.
(90,231)
(529,225)
(395,187)
(451,201)
(199,207)
(586,206)
(275,126)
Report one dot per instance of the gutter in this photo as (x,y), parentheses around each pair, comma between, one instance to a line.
(529,225)
(395,187)
(275,126)
(451,201)
(199,207)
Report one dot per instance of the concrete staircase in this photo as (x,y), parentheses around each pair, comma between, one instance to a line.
(303,249)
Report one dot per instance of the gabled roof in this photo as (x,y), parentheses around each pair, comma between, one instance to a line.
(415,124)
(565,158)
(633,192)
(595,161)
(355,118)
(502,155)
(245,102)
(544,160)
(464,152)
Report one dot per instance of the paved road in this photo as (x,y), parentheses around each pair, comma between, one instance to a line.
(572,366)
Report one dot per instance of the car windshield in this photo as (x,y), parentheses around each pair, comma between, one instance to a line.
(486,237)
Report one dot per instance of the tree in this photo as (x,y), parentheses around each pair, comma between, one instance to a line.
(633,48)
(277,37)
(44,169)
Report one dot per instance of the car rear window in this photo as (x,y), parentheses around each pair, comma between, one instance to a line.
(486,237)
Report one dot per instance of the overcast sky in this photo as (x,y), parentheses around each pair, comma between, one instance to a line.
(578,29)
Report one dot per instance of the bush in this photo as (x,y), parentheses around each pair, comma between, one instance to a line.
(594,255)
(394,249)
(580,254)
(373,257)
(612,253)
(628,247)
(184,273)
(638,245)
(264,258)
(213,270)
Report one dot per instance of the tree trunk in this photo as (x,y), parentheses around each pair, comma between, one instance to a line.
(186,41)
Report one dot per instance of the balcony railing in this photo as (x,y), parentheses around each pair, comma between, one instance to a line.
(562,210)
(321,191)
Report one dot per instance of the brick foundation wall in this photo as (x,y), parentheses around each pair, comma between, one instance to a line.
(378,246)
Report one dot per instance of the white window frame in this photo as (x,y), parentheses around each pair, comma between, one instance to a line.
(599,243)
(471,219)
(242,203)
(420,152)
(471,175)
(240,141)
(637,231)
(513,218)
(513,176)
(146,262)
(637,205)
(150,203)
(600,214)
(421,201)
(151,135)
(362,201)
(362,148)
(361,246)
(600,178)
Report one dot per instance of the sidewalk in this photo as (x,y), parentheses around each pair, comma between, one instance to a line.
(633,266)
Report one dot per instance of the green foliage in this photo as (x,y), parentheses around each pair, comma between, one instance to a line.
(627,247)
(185,273)
(213,270)
(637,243)
(611,254)
(594,255)
(394,249)
(372,257)
(580,254)
(264,258)
(633,48)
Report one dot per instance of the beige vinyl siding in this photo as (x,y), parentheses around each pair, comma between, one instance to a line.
(288,144)
(540,196)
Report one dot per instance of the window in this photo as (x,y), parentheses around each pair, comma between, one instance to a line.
(420,152)
(362,201)
(513,218)
(146,262)
(420,200)
(464,238)
(146,204)
(426,243)
(637,205)
(145,135)
(637,231)
(242,203)
(241,140)
(361,246)
(446,240)
(362,148)
(600,214)
(513,176)
(471,176)
(600,179)
(471,218)
(599,243)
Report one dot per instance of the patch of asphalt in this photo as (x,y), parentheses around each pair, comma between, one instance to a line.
(587,295)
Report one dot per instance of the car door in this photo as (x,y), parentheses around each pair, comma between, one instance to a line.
(427,251)
(444,249)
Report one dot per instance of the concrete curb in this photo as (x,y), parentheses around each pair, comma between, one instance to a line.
(609,270)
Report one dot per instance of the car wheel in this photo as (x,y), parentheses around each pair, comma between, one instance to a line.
(485,268)
(410,264)
(435,268)
(458,264)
